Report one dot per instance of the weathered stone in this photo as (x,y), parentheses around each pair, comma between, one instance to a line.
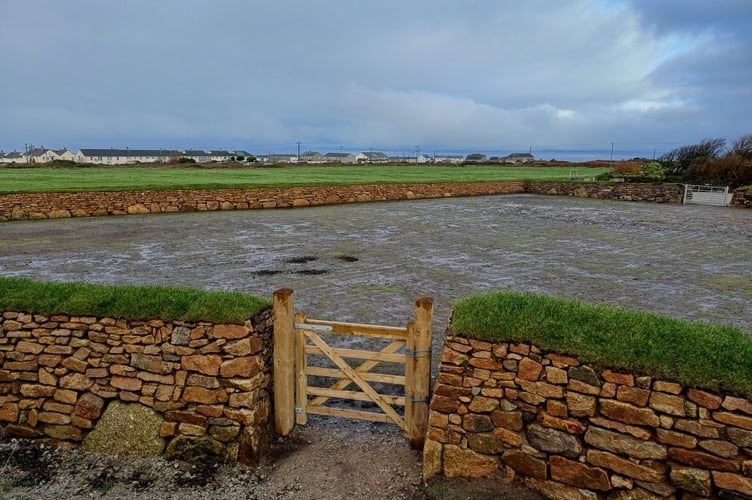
(628,414)
(619,443)
(511,420)
(126,383)
(208,365)
(486,364)
(556,376)
(733,419)
(509,437)
(239,348)
(696,428)
(702,460)
(63,432)
(76,382)
(623,466)
(195,394)
(721,448)
(525,464)
(485,442)
(467,463)
(89,406)
(668,387)
(634,395)
(704,399)
(569,425)
(230,331)
(9,412)
(674,438)
(203,381)
(733,482)
(553,441)
(582,387)
(432,456)
(127,429)
(691,479)
(29,347)
(65,396)
(195,449)
(618,378)
(737,404)
(740,437)
(37,391)
(666,403)
(477,423)
(662,490)
(581,405)
(224,433)
(453,358)
(578,474)
(181,335)
(557,408)
(483,404)
(75,365)
(542,389)
(50,417)
(528,369)
(584,374)
(444,404)
(240,367)
(152,364)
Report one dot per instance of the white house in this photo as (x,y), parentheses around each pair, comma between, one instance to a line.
(339,158)
(126,156)
(371,157)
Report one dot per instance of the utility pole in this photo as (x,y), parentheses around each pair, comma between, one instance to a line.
(417,154)
(298,143)
(612,155)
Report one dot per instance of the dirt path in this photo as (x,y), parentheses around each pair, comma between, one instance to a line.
(329,458)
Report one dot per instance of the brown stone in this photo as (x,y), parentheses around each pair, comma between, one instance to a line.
(584,374)
(486,443)
(691,479)
(561,360)
(203,381)
(240,367)
(189,417)
(553,441)
(208,365)
(481,404)
(556,375)
(702,460)
(733,482)
(740,437)
(76,382)
(511,420)
(618,378)
(473,422)
(467,463)
(432,454)
(633,395)
(666,403)
(453,358)
(199,395)
(696,428)
(89,406)
(704,399)
(63,432)
(557,408)
(528,369)
(570,425)
(29,347)
(75,365)
(155,377)
(37,391)
(581,405)
(486,364)
(721,448)
(49,360)
(49,417)
(623,466)
(444,404)
(674,438)
(65,396)
(53,406)
(230,331)
(149,363)
(731,403)
(733,419)
(580,386)
(238,348)
(9,412)
(126,383)
(669,387)
(578,474)
(628,414)
(542,389)
(525,464)
(619,443)
(509,437)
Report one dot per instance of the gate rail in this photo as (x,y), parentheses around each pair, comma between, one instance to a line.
(296,336)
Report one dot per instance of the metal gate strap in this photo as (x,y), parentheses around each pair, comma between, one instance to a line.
(421,353)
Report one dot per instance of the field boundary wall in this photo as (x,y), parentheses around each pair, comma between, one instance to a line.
(571,430)
(25,206)
(204,384)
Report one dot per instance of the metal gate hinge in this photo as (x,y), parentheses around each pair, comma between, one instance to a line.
(298,409)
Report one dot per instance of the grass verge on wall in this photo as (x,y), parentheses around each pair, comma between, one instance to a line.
(127,302)
(693,353)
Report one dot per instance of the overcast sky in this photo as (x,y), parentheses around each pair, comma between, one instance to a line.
(492,76)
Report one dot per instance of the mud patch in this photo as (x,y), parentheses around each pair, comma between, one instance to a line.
(266,272)
(348,258)
(301,260)
(311,272)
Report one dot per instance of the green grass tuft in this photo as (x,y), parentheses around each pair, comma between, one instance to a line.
(693,353)
(127,302)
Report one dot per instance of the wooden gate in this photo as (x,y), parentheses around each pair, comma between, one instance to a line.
(296,337)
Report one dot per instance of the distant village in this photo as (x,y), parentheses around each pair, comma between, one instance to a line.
(112,156)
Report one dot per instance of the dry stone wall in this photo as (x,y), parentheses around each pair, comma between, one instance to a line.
(572,431)
(27,206)
(207,383)
(742,198)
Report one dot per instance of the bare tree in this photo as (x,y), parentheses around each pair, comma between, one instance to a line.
(743,147)
(680,159)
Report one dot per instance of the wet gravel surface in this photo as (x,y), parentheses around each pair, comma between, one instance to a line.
(369,262)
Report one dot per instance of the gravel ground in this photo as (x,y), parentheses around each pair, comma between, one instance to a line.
(324,459)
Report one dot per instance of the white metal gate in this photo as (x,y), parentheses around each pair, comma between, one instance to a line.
(707,195)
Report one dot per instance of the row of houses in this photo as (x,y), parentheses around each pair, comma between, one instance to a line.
(128,156)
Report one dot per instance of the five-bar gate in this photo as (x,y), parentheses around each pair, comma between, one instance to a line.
(296,337)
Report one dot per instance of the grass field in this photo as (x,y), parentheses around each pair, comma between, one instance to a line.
(696,354)
(35,180)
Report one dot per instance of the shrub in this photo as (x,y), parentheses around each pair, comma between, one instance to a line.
(186,160)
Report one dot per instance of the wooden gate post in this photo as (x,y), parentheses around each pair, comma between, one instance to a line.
(418,373)
(284,361)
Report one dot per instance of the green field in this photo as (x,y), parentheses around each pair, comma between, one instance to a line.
(36,180)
